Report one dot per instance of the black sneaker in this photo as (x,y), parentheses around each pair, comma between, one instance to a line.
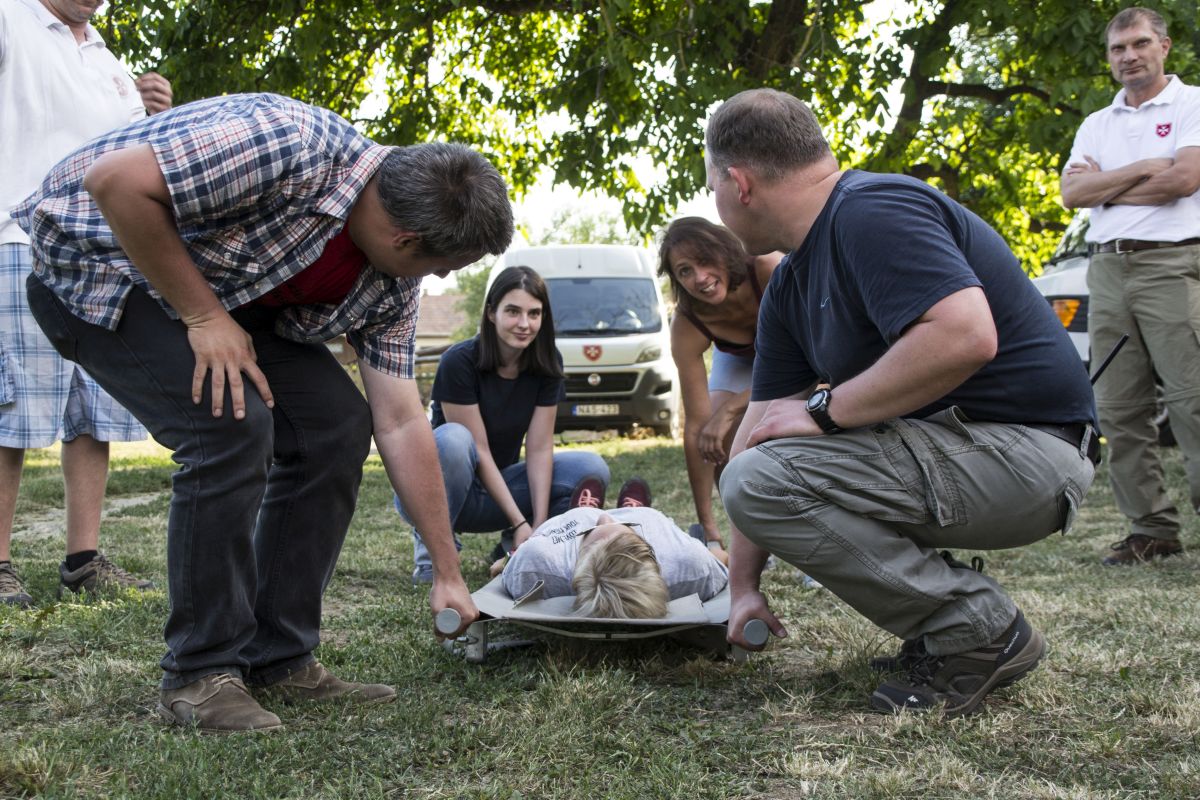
(911,651)
(957,683)
(98,575)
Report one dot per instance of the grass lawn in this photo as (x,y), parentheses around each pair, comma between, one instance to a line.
(1113,712)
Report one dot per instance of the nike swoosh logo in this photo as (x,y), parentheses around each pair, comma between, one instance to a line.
(825,302)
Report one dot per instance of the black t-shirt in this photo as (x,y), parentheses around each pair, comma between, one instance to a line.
(505,405)
(883,251)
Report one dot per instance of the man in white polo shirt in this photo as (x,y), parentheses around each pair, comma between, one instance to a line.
(1136,165)
(60,87)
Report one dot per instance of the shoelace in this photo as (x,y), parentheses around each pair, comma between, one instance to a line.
(107,570)
(225,677)
(630,502)
(1125,543)
(588,500)
(923,668)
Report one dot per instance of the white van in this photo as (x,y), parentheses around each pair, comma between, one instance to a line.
(612,330)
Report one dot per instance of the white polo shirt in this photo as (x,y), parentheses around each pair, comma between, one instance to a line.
(55,94)
(1119,135)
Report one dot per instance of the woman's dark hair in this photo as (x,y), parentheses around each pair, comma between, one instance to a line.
(704,243)
(541,357)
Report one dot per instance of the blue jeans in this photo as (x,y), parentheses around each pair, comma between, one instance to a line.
(259,506)
(472,509)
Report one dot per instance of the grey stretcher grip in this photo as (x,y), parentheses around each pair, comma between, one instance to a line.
(447,621)
(755,632)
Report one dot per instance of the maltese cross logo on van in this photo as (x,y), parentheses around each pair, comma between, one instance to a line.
(593,352)
(1163,130)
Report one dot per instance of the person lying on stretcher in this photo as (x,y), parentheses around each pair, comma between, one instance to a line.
(625,563)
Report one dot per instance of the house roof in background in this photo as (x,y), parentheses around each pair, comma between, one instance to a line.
(439,315)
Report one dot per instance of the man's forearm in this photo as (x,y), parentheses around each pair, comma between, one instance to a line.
(746,559)
(422,491)
(1166,187)
(1090,188)
(746,563)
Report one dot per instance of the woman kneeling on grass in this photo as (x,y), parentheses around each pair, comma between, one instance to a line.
(490,394)
(626,563)
(717,287)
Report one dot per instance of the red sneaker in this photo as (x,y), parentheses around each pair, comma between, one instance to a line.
(588,493)
(634,494)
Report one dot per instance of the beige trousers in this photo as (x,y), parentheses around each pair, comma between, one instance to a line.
(1154,296)
(866,511)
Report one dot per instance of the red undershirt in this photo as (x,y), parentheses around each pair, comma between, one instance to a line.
(327,280)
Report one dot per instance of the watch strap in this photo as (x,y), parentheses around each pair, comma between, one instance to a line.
(820,414)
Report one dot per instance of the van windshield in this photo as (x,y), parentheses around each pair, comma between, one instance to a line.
(603,306)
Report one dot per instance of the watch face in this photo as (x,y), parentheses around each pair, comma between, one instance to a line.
(817,399)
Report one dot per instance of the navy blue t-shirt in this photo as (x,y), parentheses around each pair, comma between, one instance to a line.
(505,404)
(883,251)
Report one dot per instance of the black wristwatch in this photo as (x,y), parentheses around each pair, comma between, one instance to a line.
(818,409)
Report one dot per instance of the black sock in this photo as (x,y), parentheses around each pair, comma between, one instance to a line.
(77,560)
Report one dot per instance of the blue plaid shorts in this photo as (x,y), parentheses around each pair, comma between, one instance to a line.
(43,397)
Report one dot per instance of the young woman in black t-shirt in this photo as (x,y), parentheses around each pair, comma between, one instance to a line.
(490,394)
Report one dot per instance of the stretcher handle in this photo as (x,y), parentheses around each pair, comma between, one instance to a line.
(447,621)
(755,632)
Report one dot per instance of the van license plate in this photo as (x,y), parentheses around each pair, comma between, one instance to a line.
(597,410)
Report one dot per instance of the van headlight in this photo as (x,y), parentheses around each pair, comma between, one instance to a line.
(649,354)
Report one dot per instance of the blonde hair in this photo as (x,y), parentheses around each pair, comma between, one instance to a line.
(620,578)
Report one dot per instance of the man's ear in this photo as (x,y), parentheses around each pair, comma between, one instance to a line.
(745,183)
(403,240)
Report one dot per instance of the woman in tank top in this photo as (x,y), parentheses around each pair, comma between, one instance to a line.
(717,288)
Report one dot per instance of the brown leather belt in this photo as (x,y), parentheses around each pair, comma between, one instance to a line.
(1072,434)
(1134,245)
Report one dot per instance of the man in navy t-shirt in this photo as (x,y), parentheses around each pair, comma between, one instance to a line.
(912,391)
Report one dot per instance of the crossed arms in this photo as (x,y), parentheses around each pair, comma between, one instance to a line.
(1148,182)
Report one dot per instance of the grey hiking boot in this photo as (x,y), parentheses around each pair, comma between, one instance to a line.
(957,683)
(96,576)
(315,683)
(12,591)
(217,703)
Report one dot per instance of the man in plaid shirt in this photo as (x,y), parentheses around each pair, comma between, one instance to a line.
(218,245)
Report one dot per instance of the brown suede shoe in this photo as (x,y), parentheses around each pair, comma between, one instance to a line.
(1137,548)
(315,683)
(217,703)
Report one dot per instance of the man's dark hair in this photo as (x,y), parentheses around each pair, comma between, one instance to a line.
(541,356)
(449,195)
(768,131)
(1131,16)
(705,243)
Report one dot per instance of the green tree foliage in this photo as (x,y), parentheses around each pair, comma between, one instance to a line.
(472,286)
(987,95)
(571,225)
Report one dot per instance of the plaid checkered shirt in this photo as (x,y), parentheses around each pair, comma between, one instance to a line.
(258,184)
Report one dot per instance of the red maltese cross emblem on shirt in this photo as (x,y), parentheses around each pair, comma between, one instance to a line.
(1163,130)
(593,352)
